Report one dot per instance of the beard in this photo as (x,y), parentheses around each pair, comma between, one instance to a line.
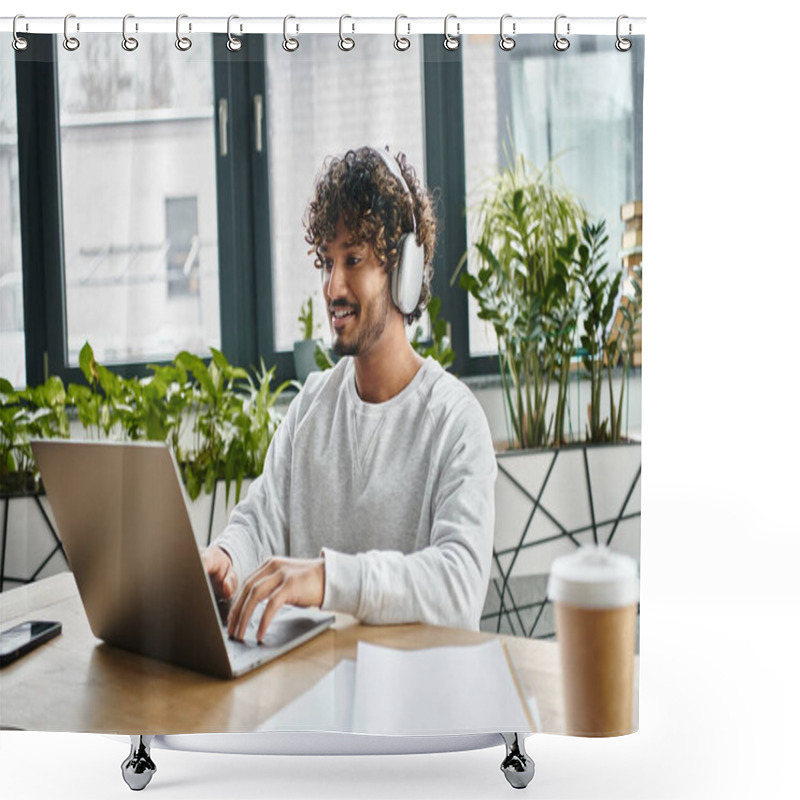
(369,330)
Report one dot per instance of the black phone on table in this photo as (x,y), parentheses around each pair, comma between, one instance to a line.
(23,638)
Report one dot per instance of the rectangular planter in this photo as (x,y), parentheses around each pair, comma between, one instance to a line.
(547,503)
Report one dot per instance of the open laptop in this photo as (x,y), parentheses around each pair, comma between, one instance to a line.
(122,518)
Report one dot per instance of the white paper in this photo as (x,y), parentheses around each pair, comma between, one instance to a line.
(437,690)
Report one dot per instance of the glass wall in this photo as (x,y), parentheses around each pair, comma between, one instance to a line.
(12,319)
(139,199)
(322,102)
(574,108)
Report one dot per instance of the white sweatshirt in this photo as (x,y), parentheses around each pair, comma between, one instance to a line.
(398,497)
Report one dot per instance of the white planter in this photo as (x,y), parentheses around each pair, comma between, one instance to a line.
(547,503)
(28,540)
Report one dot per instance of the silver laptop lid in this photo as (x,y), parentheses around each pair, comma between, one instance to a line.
(122,518)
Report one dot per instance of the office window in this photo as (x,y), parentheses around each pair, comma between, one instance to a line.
(575,107)
(139,199)
(12,322)
(322,102)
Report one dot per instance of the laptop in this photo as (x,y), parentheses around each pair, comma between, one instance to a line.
(121,514)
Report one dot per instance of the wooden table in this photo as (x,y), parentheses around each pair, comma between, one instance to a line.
(77,683)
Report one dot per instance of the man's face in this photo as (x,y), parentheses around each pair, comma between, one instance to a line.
(356,291)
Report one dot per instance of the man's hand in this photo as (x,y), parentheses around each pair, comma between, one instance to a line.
(220,570)
(300,582)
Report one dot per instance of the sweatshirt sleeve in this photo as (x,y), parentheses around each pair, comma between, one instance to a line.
(444,583)
(258,527)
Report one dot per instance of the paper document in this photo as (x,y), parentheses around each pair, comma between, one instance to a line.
(440,690)
(436,690)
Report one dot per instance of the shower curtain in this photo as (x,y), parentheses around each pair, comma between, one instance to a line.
(156,284)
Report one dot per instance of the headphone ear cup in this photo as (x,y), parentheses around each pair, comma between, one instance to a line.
(407,277)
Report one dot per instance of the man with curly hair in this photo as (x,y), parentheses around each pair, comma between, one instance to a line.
(377,495)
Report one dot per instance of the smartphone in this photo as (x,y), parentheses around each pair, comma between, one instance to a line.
(23,638)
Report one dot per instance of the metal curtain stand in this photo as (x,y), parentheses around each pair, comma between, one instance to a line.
(138,768)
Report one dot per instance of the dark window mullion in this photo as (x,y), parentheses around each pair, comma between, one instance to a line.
(234,204)
(40,208)
(262,224)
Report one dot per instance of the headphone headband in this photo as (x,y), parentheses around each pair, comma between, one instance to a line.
(407,278)
(394,168)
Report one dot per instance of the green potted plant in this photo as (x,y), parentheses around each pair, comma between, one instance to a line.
(305,360)
(539,276)
(229,420)
(30,413)
(217,418)
(439,346)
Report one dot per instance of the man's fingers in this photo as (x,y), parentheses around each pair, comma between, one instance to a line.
(254,591)
(219,568)
(276,600)
(278,581)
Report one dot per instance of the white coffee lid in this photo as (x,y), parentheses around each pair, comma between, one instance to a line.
(594,577)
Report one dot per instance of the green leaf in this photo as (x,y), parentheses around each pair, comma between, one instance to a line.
(87,363)
(218,358)
(470,283)
(192,482)
(210,481)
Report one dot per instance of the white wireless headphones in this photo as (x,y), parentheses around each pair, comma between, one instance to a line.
(407,278)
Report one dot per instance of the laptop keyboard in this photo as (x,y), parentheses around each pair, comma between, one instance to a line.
(290,625)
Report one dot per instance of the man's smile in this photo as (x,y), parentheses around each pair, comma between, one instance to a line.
(340,316)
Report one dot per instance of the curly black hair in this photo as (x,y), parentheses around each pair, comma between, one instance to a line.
(359,188)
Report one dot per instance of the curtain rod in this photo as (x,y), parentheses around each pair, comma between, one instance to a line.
(298,25)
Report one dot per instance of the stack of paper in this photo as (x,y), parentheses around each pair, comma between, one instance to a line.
(440,690)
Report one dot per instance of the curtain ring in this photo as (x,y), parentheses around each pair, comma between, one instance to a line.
(506,42)
(128,42)
(19,43)
(345,42)
(561,43)
(183,43)
(290,44)
(400,42)
(623,45)
(450,42)
(70,42)
(233,44)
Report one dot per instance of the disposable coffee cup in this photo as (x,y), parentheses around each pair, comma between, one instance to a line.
(595,593)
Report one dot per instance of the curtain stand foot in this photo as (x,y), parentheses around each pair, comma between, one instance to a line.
(518,766)
(138,768)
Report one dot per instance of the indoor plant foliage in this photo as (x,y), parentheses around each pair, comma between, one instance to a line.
(217,418)
(540,269)
(31,413)
(528,293)
(609,327)
(439,347)
(233,422)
